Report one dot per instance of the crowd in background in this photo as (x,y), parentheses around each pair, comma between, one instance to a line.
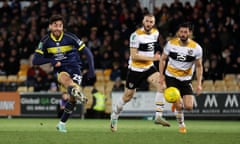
(105,27)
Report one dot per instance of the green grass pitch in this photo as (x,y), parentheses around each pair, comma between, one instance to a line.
(134,131)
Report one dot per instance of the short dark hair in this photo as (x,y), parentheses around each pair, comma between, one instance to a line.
(55,18)
(186,25)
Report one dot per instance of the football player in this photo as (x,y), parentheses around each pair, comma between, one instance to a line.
(61,49)
(183,55)
(143,44)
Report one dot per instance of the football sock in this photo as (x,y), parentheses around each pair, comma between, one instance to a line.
(159,103)
(180,118)
(67,111)
(65,117)
(118,108)
(63,123)
(69,90)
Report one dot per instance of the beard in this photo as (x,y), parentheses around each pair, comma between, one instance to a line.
(56,33)
(147,28)
(183,39)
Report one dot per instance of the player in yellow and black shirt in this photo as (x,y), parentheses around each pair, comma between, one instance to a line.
(181,57)
(61,49)
(143,43)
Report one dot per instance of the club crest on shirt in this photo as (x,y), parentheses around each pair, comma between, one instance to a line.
(130,85)
(58,49)
(190,52)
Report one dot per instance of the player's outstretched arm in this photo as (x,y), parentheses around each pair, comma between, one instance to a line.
(39,59)
(88,53)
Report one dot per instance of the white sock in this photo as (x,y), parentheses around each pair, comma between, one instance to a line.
(118,108)
(182,125)
(62,122)
(180,118)
(159,103)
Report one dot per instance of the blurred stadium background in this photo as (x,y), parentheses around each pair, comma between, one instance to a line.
(105,26)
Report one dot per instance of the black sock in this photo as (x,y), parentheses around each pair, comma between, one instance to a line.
(67,111)
(65,117)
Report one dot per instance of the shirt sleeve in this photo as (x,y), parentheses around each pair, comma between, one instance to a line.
(199,53)
(166,49)
(134,42)
(78,43)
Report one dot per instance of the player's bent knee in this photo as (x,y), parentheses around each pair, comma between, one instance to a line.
(63,75)
(188,107)
(127,97)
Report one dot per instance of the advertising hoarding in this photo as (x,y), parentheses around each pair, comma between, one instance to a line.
(205,105)
(9,104)
(43,105)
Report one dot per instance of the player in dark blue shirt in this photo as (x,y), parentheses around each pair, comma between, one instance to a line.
(61,49)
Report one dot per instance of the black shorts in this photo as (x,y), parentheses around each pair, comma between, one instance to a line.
(134,78)
(185,87)
(73,71)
